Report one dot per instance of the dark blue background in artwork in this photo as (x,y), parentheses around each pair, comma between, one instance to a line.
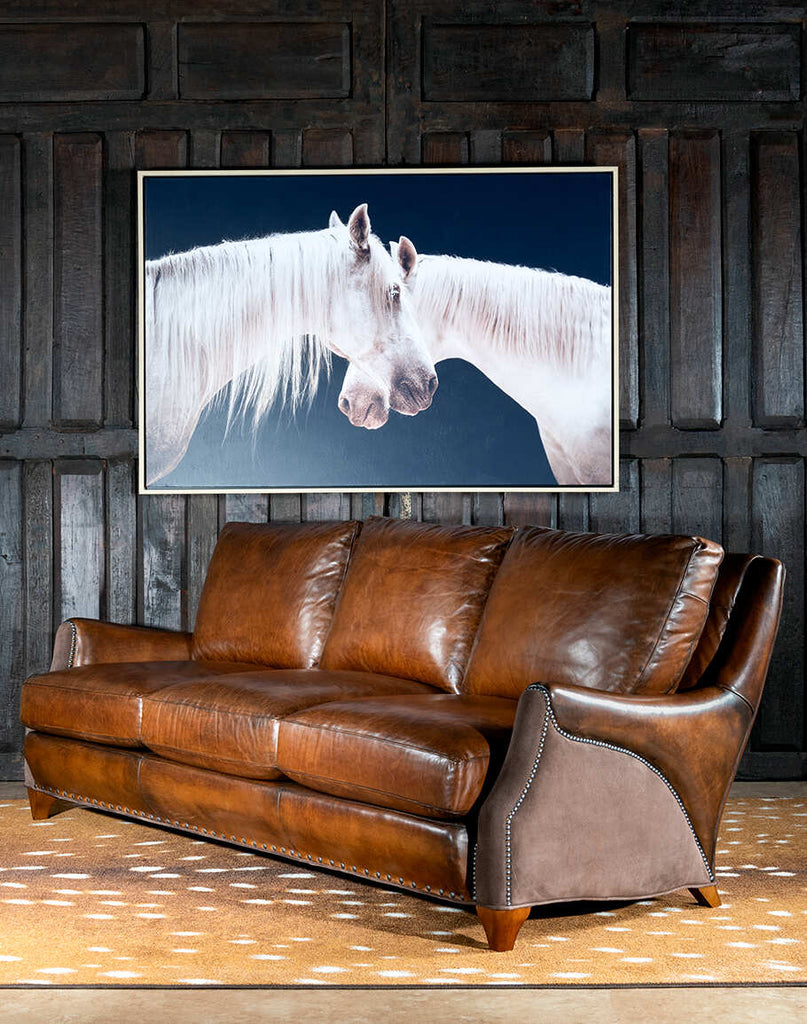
(473,435)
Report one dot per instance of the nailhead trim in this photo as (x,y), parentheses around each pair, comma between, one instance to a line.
(132,812)
(71,657)
(550,716)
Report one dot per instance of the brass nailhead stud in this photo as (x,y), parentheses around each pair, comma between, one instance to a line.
(331,863)
(274,848)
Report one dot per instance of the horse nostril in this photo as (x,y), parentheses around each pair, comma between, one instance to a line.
(344,405)
(432,383)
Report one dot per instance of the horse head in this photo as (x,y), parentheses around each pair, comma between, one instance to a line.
(369,390)
(373,326)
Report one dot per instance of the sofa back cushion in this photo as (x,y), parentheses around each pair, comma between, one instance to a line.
(270,592)
(412,599)
(619,613)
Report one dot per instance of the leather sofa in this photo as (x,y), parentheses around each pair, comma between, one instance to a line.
(486,716)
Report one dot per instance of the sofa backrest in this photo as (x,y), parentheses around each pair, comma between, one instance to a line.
(412,599)
(610,612)
(270,592)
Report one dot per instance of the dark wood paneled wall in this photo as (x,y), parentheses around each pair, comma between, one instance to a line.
(699,104)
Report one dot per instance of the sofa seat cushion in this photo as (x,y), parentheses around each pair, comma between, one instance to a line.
(231,724)
(429,755)
(104,703)
(610,612)
(412,599)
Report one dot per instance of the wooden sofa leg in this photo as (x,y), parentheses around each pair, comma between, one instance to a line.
(43,805)
(502,926)
(707,896)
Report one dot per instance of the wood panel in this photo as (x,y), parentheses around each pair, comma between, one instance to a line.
(79,497)
(253,61)
(84,62)
(714,62)
(702,113)
(778,531)
(778,395)
(494,62)
(78,281)
(12,605)
(695,281)
(10,282)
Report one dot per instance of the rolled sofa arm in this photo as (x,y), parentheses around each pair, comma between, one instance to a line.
(90,642)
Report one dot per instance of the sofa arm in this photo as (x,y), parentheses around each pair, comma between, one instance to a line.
(88,642)
(578,818)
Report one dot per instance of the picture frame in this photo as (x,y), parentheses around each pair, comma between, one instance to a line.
(398,330)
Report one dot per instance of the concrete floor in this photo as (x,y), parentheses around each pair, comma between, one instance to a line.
(741,1005)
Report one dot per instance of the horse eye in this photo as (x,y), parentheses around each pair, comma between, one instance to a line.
(395,293)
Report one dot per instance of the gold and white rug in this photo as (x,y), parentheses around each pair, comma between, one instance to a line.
(89,899)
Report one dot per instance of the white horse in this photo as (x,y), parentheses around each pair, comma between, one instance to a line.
(267,313)
(544,338)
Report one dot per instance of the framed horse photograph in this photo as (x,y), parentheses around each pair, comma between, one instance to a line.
(378,330)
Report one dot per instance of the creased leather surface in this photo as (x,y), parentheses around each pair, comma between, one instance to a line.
(587,823)
(270,592)
(428,755)
(103,702)
(98,642)
(376,843)
(608,612)
(412,599)
(231,724)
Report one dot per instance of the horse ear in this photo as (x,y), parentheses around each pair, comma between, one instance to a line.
(359,228)
(334,221)
(407,257)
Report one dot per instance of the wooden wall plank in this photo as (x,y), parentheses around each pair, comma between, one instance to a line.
(695,281)
(161,150)
(323,507)
(737,503)
(777,277)
(697,497)
(526,148)
(618,149)
(245,149)
(573,512)
(738,287)
(530,509)
(327,147)
(79,508)
(78,281)
(223,61)
(778,531)
(536,63)
(119,281)
(163,61)
(10,281)
(618,512)
(121,539)
(201,533)
(38,540)
(714,62)
(84,62)
(487,509)
(38,278)
(247,508)
(286,508)
(162,599)
(656,484)
(655,280)
(446,507)
(12,605)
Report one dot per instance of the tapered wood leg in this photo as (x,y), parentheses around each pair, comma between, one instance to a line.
(707,896)
(502,926)
(43,805)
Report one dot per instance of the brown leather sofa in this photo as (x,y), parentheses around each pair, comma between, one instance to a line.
(492,717)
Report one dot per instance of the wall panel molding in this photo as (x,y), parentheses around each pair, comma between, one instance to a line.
(703,114)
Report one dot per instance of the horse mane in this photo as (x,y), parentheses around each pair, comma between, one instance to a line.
(237,311)
(538,314)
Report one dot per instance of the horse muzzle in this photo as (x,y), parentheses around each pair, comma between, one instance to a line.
(368,411)
(410,395)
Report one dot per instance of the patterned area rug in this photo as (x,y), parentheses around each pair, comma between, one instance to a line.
(89,899)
